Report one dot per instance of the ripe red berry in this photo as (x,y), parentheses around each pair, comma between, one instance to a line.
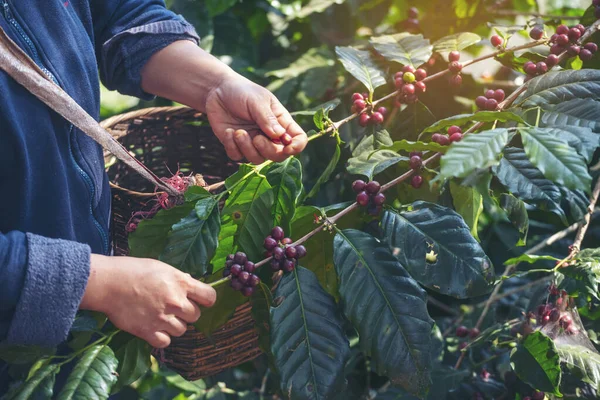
(248,291)
(554,315)
(230,257)
(286,241)
(480,102)
(240,258)
(455,67)
(379,199)
(357,96)
(382,110)
(278,253)
(462,331)
(275,265)
(463,345)
(592,47)
(551,60)
(553,38)
(415,153)
(538,396)
(444,140)
(436,137)
(236,284)
(489,93)
(491,104)
(415,162)
(580,27)
(362,199)
(377,118)
(453,129)
(420,74)
(289,265)
(277,233)
(499,95)
(290,252)
(408,89)
(573,50)
(530,68)
(454,56)
(229,263)
(565,321)
(541,67)
(286,139)
(399,82)
(364,119)
(574,34)
(420,87)
(409,68)
(496,41)
(254,280)
(413,12)
(270,243)
(249,266)
(373,187)
(474,333)
(585,55)
(557,49)
(455,81)
(411,99)
(300,251)
(416,181)
(536,33)
(562,39)
(456,137)
(244,276)
(562,29)
(358,185)
(360,104)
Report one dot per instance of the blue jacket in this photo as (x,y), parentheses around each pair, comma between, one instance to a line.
(54,193)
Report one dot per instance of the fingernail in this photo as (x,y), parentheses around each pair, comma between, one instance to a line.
(229,131)
(278,129)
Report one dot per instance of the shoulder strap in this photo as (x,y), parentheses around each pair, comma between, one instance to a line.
(24,70)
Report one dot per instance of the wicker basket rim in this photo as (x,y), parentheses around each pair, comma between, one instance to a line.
(110,122)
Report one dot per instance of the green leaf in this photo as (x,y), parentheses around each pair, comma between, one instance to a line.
(537,363)
(38,386)
(408,146)
(456,42)
(555,159)
(261,302)
(313,58)
(436,247)
(584,361)
(528,258)
(257,225)
(195,193)
(308,339)
(318,119)
(517,215)
(93,376)
(326,174)
(481,116)
(193,241)
(150,237)
(314,6)
(587,273)
(217,7)
(134,360)
(474,151)
(581,139)
(222,311)
(361,66)
(403,48)
(468,202)
(370,165)
(388,309)
(526,182)
(286,180)
(575,112)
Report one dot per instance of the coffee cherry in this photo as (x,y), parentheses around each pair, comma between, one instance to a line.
(556,49)
(409,77)
(489,93)
(408,89)
(362,198)
(286,241)
(455,81)
(480,102)
(382,110)
(453,129)
(420,87)
(275,265)
(536,33)
(358,185)
(377,118)
(248,291)
(270,243)
(444,140)
(415,153)
(226,272)
(553,38)
(357,96)
(290,252)
(574,34)
(530,68)
(254,280)
(538,396)
(300,251)
(572,330)
(399,82)
(436,137)
(462,331)
(229,263)
(592,47)
(542,309)
(278,253)
(562,39)
(411,99)
(454,56)
(379,199)
(562,29)
(289,265)
(499,95)
(244,276)
(491,104)
(416,162)
(416,181)
(249,266)
(455,67)
(463,346)
(420,74)
(573,50)
(236,269)
(473,333)
(364,119)
(373,187)
(551,60)
(456,137)
(236,284)
(409,68)
(541,67)
(413,12)
(585,55)
(496,41)
(277,233)
(360,105)
(286,139)
(229,257)
(565,321)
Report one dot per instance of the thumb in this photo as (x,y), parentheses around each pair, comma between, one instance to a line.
(267,121)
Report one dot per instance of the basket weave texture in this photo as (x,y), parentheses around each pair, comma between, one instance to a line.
(168,139)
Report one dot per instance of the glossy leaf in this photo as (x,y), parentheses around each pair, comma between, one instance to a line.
(468,203)
(326,174)
(370,165)
(587,273)
(581,139)
(93,376)
(361,66)
(38,386)
(583,361)
(308,339)
(456,42)
(517,215)
(261,302)
(403,48)
(286,180)
(557,161)
(481,116)
(193,241)
(388,309)
(526,182)
(584,113)
(481,150)
(134,360)
(436,247)
(257,225)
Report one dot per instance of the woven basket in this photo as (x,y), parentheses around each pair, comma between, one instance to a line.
(168,139)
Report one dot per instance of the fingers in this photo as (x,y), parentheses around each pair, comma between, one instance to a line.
(246,146)
(189,312)
(202,293)
(159,340)
(230,145)
(175,326)
(268,149)
(263,115)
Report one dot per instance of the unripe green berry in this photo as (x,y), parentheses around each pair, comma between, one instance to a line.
(409,77)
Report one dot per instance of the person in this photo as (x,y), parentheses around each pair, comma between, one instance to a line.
(55,205)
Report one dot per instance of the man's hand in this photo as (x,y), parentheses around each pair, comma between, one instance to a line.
(238,110)
(145,297)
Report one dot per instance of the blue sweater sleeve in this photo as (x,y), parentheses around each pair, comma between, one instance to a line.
(42,282)
(127,33)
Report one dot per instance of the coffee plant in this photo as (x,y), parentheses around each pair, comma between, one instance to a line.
(424,258)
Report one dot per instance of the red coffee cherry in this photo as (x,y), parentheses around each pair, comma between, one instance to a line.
(373,187)
(456,137)
(420,74)
(499,95)
(420,87)
(377,118)
(364,119)
(415,162)
(454,56)
(277,233)
(416,181)
(551,60)
(480,102)
(362,199)
(286,139)
(358,185)
(462,331)
(562,30)
(536,33)
(453,129)
(379,199)
(357,96)
(496,41)
(455,67)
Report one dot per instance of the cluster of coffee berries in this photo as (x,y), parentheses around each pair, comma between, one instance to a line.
(491,100)
(416,163)
(462,332)
(409,83)
(454,135)
(566,39)
(455,67)
(496,41)
(556,313)
(285,257)
(412,22)
(368,195)
(242,273)
(360,102)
